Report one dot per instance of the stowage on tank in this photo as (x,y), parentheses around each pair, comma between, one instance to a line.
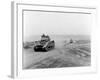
(45,44)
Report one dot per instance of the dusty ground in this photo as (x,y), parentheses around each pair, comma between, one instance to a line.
(64,55)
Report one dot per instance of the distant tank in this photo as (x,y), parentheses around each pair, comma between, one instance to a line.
(45,44)
(71,41)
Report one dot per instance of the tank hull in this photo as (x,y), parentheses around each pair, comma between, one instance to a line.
(49,46)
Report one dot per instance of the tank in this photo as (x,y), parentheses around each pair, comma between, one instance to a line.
(45,44)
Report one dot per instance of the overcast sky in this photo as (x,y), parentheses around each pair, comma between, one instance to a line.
(36,23)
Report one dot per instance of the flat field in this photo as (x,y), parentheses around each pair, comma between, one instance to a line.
(65,54)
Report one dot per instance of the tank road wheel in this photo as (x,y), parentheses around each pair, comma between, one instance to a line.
(35,49)
(46,49)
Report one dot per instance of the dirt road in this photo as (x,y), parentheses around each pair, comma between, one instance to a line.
(58,57)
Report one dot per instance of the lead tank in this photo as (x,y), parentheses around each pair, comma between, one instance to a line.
(45,44)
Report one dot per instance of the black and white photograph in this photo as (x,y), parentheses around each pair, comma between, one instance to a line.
(56,39)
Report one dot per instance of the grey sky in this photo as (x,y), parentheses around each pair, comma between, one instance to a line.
(36,23)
